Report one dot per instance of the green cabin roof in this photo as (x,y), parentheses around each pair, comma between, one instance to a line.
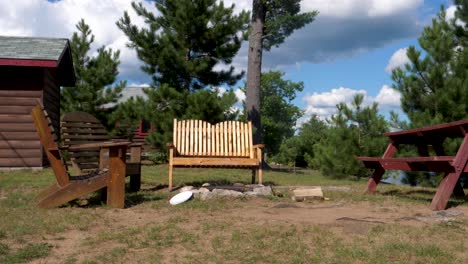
(29,48)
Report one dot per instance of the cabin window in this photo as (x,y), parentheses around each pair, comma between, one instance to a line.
(145,128)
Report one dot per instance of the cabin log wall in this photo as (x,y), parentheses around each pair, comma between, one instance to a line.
(19,143)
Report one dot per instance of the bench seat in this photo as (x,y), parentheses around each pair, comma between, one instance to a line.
(214,162)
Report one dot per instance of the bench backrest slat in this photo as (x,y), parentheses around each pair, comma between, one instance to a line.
(225,139)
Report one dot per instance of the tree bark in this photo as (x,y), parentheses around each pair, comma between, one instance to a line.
(254,69)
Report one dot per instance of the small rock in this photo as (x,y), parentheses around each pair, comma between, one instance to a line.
(205,196)
(205,184)
(186,188)
(226,193)
(203,190)
(251,193)
(238,184)
(447,213)
(263,190)
(83,202)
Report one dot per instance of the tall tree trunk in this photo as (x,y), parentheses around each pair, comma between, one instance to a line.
(254,69)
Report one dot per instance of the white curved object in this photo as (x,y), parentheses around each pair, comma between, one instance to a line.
(181,197)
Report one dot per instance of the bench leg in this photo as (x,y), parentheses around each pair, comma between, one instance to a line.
(171,155)
(260,174)
(170,178)
(374,180)
(253,175)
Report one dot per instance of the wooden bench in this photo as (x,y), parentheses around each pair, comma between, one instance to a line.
(228,144)
(80,128)
(425,139)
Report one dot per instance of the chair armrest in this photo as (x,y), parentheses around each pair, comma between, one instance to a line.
(97,145)
(259,146)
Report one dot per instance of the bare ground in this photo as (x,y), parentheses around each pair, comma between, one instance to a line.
(348,218)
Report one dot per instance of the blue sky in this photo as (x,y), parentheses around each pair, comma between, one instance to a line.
(345,51)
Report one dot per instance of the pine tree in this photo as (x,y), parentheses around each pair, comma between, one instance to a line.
(278,113)
(180,49)
(354,131)
(434,87)
(94,75)
(272,22)
(310,133)
(182,46)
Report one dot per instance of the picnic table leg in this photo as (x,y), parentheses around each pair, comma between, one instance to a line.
(445,189)
(440,151)
(379,172)
(374,180)
(447,185)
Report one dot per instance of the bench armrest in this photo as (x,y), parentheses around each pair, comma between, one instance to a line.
(259,146)
(97,145)
(170,145)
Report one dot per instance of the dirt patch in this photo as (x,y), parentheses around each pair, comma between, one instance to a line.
(354,218)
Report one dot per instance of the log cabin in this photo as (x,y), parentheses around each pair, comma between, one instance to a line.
(30,69)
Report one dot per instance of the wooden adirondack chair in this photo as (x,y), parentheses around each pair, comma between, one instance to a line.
(69,188)
(80,128)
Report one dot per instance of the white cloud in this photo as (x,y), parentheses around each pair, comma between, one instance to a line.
(144,85)
(398,59)
(240,95)
(451,12)
(41,18)
(388,97)
(358,8)
(451,15)
(342,29)
(345,28)
(324,104)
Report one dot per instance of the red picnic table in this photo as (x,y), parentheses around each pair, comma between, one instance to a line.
(423,138)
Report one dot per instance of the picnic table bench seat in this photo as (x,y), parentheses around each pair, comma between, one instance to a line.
(228,144)
(434,163)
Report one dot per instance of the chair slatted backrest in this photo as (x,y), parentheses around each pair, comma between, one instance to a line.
(48,140)
(225,139)
(80,128)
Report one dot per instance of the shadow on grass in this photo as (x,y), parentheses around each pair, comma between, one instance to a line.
(424,196)
(218,182)
(98,198)
(287,170)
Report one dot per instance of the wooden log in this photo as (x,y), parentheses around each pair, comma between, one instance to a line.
(314,193)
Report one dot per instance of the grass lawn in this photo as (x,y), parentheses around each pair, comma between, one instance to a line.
(394,226)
